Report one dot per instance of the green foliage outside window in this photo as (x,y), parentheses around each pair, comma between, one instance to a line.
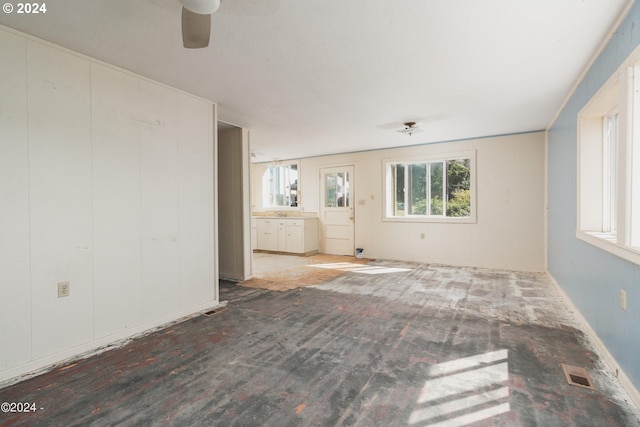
(416,184)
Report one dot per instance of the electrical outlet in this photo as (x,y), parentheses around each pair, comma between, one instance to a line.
(63,289)
(422,235)
(623,299)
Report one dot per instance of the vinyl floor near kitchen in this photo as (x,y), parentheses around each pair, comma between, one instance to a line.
(388,344)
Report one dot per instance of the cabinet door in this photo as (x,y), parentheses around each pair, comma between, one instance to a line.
(267,235)
(282,236)
(310,235)
(294,238)
(254,234)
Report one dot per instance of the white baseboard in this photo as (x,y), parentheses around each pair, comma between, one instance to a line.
(614,368)
(40,366)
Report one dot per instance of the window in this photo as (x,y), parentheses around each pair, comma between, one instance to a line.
(337,189)
(431,189)
(610,173)
(280,186)
(609,164)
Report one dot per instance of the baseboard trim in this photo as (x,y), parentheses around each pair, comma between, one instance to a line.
(48,363)
(614,368)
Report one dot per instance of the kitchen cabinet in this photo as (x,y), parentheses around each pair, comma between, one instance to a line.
(290,235)
(267,230)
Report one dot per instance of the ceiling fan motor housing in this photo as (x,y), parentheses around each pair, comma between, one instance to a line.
(203,7)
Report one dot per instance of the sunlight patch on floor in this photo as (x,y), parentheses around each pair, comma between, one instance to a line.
(464,391)
(359,268)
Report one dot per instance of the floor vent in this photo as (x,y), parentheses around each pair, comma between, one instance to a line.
(577,376)
(214,311)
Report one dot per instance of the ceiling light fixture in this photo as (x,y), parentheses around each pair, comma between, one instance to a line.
(410,128)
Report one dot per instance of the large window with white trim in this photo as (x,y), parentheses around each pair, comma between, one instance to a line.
(609,165)
(435,188)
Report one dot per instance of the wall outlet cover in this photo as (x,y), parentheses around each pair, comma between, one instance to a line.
(63,289)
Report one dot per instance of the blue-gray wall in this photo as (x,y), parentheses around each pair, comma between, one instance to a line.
(590,276)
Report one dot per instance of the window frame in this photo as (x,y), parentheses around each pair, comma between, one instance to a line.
(619,235)
(266,189)
(610,172)
(389,189)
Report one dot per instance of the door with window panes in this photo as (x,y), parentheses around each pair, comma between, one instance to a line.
(336,210)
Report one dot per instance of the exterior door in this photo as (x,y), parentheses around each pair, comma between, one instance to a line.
(336,210)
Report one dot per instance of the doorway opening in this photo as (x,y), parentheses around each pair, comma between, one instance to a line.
(234,203)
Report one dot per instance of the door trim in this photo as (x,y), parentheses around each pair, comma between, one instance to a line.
(323,210)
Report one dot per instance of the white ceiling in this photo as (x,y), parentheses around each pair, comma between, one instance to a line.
(312,77)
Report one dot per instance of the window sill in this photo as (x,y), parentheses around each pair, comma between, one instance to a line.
(607,242)
(416,219)
(278,208)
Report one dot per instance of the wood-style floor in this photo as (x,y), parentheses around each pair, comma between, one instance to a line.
(402,344)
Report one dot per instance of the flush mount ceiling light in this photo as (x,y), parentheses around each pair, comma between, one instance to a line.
(410,128)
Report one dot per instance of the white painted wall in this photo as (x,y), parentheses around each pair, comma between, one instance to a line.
(509,232)
(106,181)
(15,306)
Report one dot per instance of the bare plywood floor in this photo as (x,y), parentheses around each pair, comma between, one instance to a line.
(286,272)
(424,346)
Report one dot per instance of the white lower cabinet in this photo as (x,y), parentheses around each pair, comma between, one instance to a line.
(292,235)
(294,239)
(267,230)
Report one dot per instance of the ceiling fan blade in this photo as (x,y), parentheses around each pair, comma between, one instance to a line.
(196,29)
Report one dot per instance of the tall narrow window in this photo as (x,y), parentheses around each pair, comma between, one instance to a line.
(397,172)
(610,173)
(436,189)
(417,184)
(459,188)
